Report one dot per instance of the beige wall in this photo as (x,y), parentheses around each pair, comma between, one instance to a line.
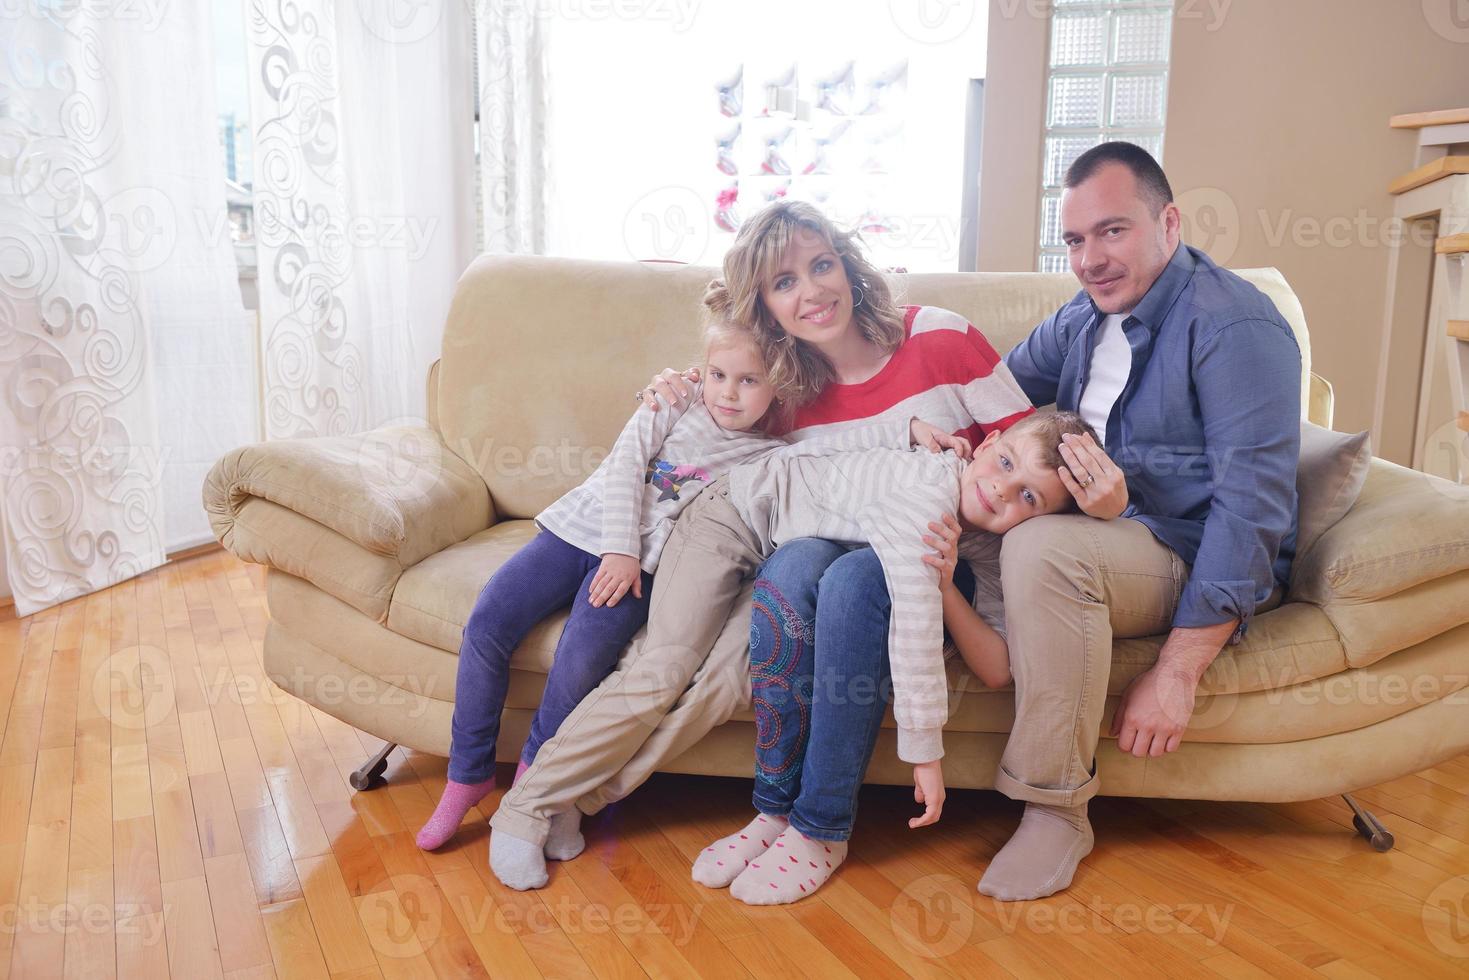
(1277,130)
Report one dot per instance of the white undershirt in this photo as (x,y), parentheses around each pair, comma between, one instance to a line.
(1111,365)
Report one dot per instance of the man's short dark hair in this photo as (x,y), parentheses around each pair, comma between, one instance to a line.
(1152,183)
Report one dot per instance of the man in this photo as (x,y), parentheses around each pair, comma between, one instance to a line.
(1193,378)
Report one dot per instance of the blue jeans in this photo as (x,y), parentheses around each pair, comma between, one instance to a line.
(820,679)
(539,579)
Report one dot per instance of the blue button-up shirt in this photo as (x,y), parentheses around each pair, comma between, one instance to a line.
(1207,429)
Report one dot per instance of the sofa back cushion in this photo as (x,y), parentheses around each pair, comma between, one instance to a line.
(542,356)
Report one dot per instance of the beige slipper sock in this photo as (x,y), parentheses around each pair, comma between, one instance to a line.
(1041,856)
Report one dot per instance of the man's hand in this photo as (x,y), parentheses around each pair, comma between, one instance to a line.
(1154,712)
(936,440)
(928,789)
(673,387)
(617,574)
(1157,705)
(1093,479)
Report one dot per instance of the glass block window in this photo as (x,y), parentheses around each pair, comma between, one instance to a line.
(1108,80)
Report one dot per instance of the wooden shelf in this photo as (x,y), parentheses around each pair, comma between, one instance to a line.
(1452,244)
(1438,117)
(1459,329)
(1428,173)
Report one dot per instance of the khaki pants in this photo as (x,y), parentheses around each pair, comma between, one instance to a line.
(1071,584)
(647,712)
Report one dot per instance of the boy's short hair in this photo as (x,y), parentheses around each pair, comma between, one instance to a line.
(1047,428)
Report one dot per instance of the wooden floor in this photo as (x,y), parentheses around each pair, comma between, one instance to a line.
(166,811)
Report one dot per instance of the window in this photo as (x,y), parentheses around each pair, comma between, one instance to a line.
(1108,80)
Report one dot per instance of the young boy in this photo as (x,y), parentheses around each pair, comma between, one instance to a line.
(883,497)
(810,755)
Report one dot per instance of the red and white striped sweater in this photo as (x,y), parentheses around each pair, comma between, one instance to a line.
(945,372)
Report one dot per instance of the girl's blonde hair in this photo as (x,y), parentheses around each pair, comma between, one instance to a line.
(797,370)
(722,332)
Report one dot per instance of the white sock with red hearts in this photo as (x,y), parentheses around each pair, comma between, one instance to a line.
(721,862)
(793,869)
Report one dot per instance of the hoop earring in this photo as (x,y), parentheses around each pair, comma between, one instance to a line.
(860,297)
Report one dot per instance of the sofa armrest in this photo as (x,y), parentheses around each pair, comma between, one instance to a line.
(396,492)
(1406,528)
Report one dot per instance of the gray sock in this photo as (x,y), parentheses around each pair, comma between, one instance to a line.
(518,863)
(565,840)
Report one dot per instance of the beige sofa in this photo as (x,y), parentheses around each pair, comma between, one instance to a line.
(379,543)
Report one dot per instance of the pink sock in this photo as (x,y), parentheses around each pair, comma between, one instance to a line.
(453,805)
(520,769)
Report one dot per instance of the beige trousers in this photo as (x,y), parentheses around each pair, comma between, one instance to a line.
(1071,584)
(647,711)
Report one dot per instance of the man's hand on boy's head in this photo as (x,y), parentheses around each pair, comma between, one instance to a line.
(928,789)
(1093,480)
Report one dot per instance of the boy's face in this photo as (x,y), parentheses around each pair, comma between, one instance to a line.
(1008,482)
(736,390)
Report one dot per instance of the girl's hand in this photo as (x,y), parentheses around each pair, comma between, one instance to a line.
(1092,478)
(672,386)
(617,574)
(928,789)
(936,440)
(945,542)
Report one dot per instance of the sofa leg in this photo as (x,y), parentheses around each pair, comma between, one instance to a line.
(370,776)
(1368,826)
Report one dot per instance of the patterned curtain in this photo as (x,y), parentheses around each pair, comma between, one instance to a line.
(363,124)
(513,110)
(113,234)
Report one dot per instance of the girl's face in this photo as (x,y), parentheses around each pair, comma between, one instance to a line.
(809,293)
(736,390)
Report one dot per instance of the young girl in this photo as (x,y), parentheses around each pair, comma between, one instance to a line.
(854,359)
(597,549)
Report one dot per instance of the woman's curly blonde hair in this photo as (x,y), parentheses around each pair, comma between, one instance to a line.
(798,371)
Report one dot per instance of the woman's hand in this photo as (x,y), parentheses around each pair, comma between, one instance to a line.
(1093,479)
(617,574)
(945,542)
(674,387)
(928,789)
(936,440)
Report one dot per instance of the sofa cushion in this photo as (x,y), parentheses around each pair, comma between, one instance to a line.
(1332,469)
(434,598)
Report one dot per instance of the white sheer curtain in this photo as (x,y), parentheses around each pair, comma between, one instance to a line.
(514,109)
(362,117)
(121,345)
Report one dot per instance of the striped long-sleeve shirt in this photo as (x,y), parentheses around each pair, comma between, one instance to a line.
(660,462)
(885,498)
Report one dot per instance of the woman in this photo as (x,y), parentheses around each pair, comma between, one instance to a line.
(853,362)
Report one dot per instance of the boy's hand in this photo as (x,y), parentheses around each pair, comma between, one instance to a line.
(674,387)
(1092,478)
(928,789)
(944,541)
(617,574)
(936,440)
